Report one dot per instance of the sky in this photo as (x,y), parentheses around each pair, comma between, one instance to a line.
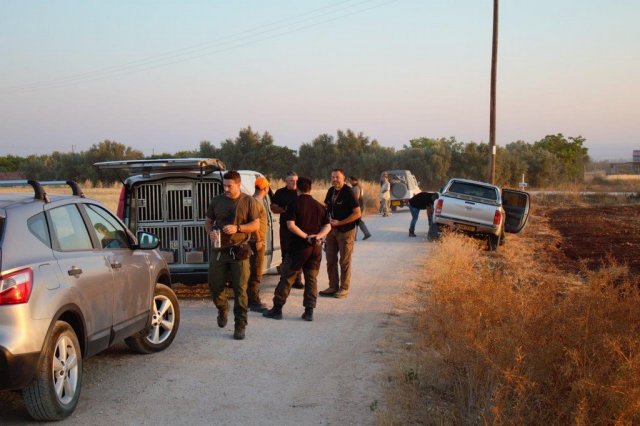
(162,76)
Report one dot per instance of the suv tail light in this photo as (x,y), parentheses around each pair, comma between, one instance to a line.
(120,211)
(497,217)
(439,206)
(16,287)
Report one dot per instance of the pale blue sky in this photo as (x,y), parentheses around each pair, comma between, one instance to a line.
(164,75)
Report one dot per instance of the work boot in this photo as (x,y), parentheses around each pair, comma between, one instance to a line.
(329,292)
(238,333)
(308,314)
(275,313)
(257,307)
(341,294)
(222,318)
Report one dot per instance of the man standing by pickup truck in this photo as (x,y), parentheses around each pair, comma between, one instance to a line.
(421,201)
(344,212)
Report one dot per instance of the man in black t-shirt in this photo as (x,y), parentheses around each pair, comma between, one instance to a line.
(344,211)
(284,197)
(421,201)
(308,223)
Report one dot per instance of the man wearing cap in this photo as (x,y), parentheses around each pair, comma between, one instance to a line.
(258,243)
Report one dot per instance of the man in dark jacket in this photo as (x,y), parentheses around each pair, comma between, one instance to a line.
(282,198)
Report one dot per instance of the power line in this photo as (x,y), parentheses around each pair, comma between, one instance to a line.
(258,34)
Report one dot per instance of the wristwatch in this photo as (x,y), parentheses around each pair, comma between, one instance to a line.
(237,228)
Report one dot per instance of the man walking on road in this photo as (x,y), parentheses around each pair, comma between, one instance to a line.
(358,195)
(231,217)
(308,222)
(344,212)
(258,244)
(279,202)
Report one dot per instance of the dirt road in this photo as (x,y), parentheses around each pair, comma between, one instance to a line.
(324,372)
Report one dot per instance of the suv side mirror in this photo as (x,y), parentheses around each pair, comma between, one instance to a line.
(147,241)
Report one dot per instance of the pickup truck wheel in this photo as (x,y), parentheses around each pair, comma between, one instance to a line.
(494,242)
(55,390)
(165,320)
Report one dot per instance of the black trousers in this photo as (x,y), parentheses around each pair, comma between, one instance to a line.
(305,261)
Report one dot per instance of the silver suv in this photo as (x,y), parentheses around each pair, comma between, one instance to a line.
(73,281)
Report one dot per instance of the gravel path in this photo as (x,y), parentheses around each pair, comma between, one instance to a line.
(324,372)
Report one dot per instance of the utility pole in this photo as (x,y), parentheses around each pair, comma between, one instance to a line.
(492,108)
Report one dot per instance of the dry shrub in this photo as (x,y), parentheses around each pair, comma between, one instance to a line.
(521,343)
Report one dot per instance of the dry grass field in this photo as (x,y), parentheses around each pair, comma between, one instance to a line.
(544,331)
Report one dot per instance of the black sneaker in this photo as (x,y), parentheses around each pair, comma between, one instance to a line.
(411,234)
(298,285)
(222,318)
(308,314)
(275,313)
(258,307)
(238,333)
(366,237)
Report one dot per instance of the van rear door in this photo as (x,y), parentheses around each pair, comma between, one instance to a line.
(516,207)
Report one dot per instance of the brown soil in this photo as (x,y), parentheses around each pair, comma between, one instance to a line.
(596,236)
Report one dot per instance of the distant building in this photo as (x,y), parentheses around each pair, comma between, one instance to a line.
(630,168)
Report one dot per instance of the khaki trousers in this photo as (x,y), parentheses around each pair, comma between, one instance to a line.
(339,247)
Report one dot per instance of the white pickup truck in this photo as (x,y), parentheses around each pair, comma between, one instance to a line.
(480,209)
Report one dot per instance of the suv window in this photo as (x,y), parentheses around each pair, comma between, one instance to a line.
(38,226)
(110,233)
(69,229)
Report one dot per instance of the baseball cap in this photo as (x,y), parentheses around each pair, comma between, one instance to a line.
(262,183)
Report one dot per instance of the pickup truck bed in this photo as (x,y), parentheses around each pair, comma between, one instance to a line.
(479,208)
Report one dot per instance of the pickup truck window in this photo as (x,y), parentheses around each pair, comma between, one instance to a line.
(470,189)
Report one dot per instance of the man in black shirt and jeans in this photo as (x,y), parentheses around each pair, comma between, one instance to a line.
(308,223)
(344,211)
(279,202)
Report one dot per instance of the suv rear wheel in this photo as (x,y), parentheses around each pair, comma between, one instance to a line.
(54,393)
(165,319)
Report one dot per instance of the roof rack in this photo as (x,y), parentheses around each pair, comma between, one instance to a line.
(40,193)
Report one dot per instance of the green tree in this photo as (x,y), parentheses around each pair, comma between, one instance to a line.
(109,151)
(571,153)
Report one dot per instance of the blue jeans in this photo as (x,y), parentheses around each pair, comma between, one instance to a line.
(414,218)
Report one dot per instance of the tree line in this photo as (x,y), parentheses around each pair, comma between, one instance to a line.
(552,160)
